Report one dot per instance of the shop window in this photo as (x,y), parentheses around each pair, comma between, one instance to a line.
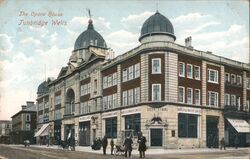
(133,122)
(187,125)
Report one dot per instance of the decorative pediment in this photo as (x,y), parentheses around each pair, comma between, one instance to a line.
(156,121)
(63,72)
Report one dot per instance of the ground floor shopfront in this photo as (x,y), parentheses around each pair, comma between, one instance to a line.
(168,126)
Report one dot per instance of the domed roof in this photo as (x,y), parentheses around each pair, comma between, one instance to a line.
(157,24)
(89,37)
(43,88)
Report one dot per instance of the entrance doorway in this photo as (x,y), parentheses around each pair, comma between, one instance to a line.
(212,131)
(69,131)
(84,133)
(156,137)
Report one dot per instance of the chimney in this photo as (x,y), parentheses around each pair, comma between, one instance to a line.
(29,103)
(24,107)
(188,42)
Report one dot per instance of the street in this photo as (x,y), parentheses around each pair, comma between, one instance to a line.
(19,152)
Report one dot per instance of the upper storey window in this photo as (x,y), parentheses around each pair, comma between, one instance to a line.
(110,80)
(248,83)
(130,73)
(156,92)
(124,75)
(189,71)
(137,70)
(197,72)
(212,76)
(181,69)
(156,66)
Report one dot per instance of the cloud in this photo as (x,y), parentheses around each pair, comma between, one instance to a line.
(5,43)
(190,17)
(19,82)
(121,41)
(30,41)
(134,22)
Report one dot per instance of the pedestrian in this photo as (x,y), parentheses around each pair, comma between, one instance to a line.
(128,146)
(112,145)
(72,143)
(222,144)
(142,145)
(236,141)
(104,144)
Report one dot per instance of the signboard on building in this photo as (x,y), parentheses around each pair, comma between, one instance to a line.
(189,110)
(130,111)
(84,118)
(240,125)
(109,114)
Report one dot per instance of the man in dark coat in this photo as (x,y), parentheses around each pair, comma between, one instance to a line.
(128,146)
(112,145)
(222,144)
(104,144)
(142,145)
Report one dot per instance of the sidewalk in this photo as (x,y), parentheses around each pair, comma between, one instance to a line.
(150,151)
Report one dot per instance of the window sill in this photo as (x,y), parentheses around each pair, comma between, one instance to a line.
(213,82)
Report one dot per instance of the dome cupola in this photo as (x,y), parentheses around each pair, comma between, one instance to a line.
(89,37)
(157,28)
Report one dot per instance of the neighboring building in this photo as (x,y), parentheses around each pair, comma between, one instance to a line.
(43,128)
(177,96)
(24,124)
(5,129)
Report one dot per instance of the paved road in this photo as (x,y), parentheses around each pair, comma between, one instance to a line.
(13,152)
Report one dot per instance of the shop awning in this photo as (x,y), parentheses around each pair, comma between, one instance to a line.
(241,126)
(43,131)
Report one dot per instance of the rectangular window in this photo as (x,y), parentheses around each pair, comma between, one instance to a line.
(95,85)
(156,92)
(130,97)
(114,79)
(85,89)
(197,72)
(57,114)
(181,69)
(227,77)
(197,97)
(227,99)
(213,99)
(189,71)
(110,101)
(189,95)
(114,100)
(212,76)
(238,103)
(110,81)
(133,122)
(137,70)
(233,79)
(248,83)
(233,100)
(125,98)
(187,125)
(239,80)
(156,66)
(105,82)
(111,127)
(124,75)
(137,95)
(105,103)
(181,95)
(131,72)
(46,104)
(247,106)
(57,99)
(27,117)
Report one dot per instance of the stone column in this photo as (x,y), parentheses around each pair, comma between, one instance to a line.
(204,83)
(222,86)
(119,85)
(144,77)
(244,82)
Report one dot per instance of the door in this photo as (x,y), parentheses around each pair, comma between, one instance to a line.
(156,137)
(212,131)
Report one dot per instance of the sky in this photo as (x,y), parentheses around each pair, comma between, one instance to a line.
(31,53)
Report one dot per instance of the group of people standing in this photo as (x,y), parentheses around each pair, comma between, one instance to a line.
(127,145)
